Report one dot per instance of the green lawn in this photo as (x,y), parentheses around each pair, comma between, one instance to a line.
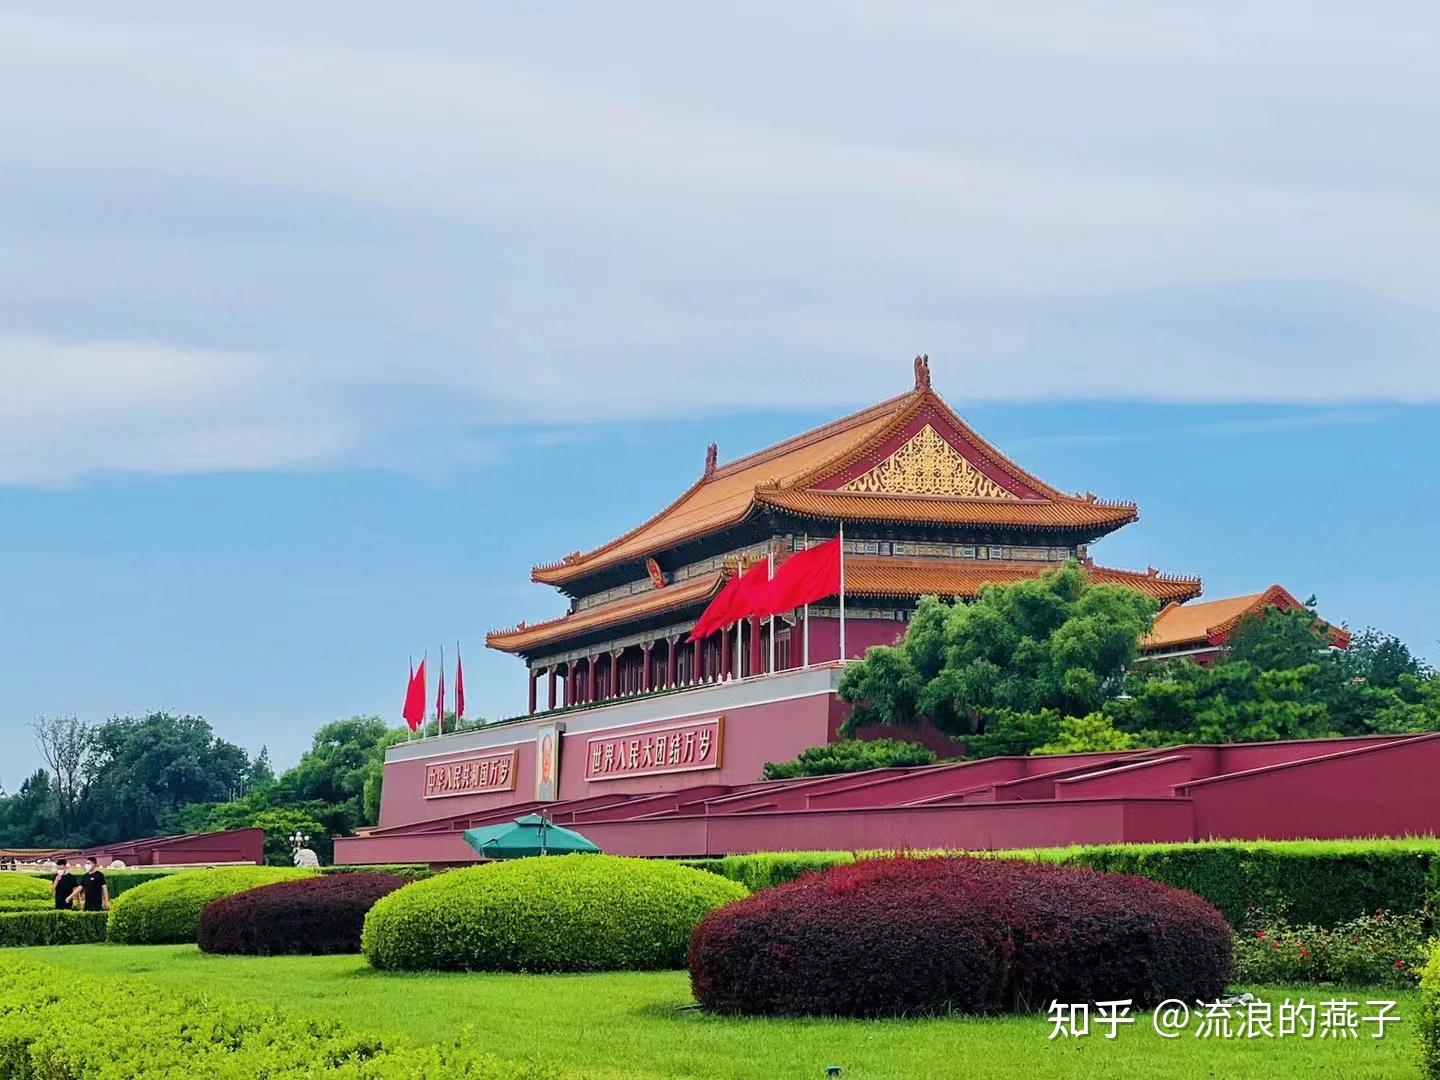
(638,1025)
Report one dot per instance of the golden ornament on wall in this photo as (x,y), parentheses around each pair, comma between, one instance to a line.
(927,465)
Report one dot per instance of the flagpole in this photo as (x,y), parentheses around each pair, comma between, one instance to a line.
(770,576)
(440,704)
(807,616)
(842,592)
(409,731)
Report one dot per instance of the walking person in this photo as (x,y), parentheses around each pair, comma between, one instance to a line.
(64,885)
(93,889)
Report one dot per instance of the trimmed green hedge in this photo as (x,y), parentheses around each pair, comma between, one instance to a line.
(167,911)
(120,880)
(24,887)
(54,1026)
(766,868)
(558,913)
(1315,882)
(52,927)
(1427,1018)
(26,905)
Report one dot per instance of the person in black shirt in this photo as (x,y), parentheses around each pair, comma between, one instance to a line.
(94,889)
(64,885)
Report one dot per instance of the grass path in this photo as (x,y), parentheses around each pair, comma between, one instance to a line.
(637,1025)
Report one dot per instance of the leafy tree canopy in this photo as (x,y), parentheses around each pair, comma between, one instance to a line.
(850,755)
(1058,644)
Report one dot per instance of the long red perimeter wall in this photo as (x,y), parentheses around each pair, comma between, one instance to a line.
(677,775)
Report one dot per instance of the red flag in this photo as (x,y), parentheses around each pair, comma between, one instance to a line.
(459,686)
(415,698)
(803,578)
(409,693)
(733,602)
(440,696)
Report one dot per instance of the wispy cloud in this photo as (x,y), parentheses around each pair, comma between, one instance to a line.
(317,234)
(1207,432)
(70,408)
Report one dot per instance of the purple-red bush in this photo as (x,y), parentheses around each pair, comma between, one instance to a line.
(307,916)
(901,936)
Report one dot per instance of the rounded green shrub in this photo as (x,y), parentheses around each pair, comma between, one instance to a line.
(556,913)
(22,887)
(166,911)
(1427,1019)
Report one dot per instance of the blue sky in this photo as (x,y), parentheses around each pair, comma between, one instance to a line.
(318,327)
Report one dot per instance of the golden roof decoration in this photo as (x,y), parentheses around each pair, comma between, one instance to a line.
(927,465)
(900,478)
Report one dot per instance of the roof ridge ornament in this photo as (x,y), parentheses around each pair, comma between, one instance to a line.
(712,458)
(922,372)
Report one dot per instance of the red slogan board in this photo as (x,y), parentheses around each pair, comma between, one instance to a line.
(678,748)
(471,776)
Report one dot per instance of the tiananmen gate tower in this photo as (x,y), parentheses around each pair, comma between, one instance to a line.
(653,744)
(929,507)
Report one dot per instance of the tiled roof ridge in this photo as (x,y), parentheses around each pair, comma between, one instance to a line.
(990,453)
(1149,571)
(801,501)
(824,431)
(578,556)
(795,442)
(1259,602)
(681,593)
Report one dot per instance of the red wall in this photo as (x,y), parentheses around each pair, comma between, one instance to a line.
(231,846)
(860,634)
(1386,789)
(754,734)
(979,827)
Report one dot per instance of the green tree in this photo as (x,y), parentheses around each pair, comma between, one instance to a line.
(374,775)
(261,773)
(332,772)
(1008,732)
(150,766)
(254,810)
(31,816)
(1087,734)
(1004,670)
(1277,640)
(850,755)
(1278,678)
(68,747)
(1235,701)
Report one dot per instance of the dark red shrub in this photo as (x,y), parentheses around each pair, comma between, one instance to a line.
(905,936)
(307,916)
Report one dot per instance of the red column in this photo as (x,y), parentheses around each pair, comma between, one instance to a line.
(699,664)
(552,686)
(755,654)
(615,674)
(724,652)
(532,689)
(647,683)
(590,677)
(670,663)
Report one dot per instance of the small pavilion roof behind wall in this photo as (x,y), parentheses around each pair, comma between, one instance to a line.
(1210,622)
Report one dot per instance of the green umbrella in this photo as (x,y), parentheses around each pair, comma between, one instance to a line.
(528,835)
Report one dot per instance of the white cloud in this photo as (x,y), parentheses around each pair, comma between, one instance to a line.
(69,408)
(510,218)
